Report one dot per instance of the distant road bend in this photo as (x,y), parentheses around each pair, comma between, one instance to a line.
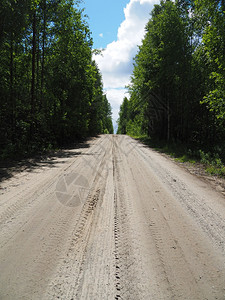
(111,219)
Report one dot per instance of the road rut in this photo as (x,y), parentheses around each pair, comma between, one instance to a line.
(110,219)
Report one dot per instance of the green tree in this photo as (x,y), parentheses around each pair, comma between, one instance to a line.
(177,86)
(160,79)
(123,117)
(213,13)
(49,83)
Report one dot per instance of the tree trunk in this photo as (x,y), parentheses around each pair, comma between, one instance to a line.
(168,120)
(33,79)
(12,97)
(11,71)
(33,66)
(43,54)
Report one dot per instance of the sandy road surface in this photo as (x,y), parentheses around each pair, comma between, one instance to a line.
(110,220)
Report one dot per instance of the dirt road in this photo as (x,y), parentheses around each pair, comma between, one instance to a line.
(110,219)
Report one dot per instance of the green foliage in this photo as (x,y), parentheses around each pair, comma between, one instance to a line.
(123,117)
(51,90)
(213,163)
(100,109)
(134,129)
(159,89)
(177,87)
(213,13)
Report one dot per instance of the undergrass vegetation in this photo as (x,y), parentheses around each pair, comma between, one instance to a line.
(212,161)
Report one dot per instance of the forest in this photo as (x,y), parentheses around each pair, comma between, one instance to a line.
(177,89)
(51,91)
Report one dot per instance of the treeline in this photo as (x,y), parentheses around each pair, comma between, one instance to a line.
(177,90)
(51,90)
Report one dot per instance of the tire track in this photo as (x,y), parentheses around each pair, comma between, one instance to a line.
(194,201)
(125,274)
(70,274)
(174,234)
(31,196)
(28,216)
(135,234)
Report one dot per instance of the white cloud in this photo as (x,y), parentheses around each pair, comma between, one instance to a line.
(101,35)
(115,96)
(116,63)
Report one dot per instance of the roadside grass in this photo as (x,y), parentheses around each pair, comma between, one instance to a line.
(211,162)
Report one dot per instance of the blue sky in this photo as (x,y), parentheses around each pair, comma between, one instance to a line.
(105,17)
(118,26)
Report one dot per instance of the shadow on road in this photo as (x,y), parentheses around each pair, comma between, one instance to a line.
(9,168)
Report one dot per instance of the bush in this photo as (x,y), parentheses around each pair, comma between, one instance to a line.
(214,164)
